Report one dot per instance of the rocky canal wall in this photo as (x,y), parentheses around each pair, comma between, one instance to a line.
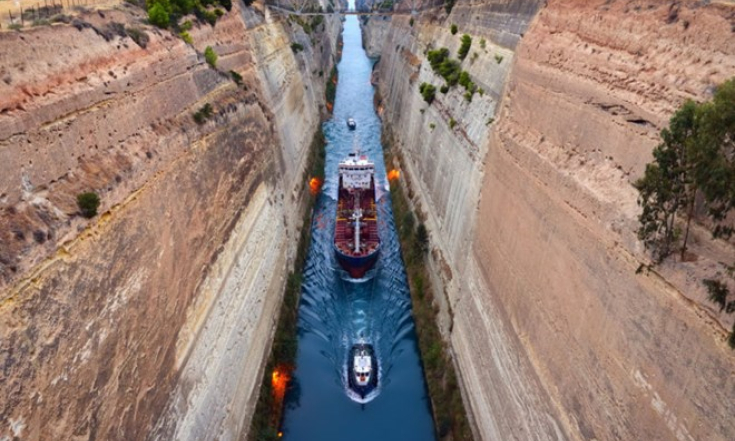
(151,320)
(528,196)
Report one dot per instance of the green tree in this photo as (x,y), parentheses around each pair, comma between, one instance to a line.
(158,16)
(88,203)
(464,48)
(667,188)
(428,91)
(715,160)
(453,29)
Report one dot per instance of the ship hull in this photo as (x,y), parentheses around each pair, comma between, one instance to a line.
(356,267)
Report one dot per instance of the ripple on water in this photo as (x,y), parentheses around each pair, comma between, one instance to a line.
(336,311)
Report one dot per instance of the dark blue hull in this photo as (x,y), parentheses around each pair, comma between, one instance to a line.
(357,266)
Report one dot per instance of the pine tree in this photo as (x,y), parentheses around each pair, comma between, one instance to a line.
(668,187)
(715,161)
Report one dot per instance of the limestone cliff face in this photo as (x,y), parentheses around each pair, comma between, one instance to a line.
(533,216)
(127,325)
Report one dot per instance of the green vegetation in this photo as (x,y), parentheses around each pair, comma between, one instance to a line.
(692,175)
(427,91)
(444,66)
(450,417)
(453,29)
(451,71)
(410,22)
(15,26)
(167,13)
(483,43)
(464,48)
(266,418)
(490,121)
(448,5)
(296,47)
(210,56)
(466,81)
(139,36)
(468,96)
(236,77)
(88,204)
(203,114)
(186,37)
(498,58)
(452,123)
(317,21)
(432,126)
(158,16)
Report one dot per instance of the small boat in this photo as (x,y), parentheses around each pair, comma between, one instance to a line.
(351,123)
(362,372)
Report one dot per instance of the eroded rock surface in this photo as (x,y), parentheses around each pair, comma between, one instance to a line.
(528,196)
(151,320)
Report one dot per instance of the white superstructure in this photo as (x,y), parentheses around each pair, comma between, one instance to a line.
(362,367)
(356,172)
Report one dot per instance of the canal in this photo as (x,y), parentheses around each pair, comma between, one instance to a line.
(335,311)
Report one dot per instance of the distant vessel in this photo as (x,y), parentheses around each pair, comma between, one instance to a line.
(356,240)
(362,369)
(351,123)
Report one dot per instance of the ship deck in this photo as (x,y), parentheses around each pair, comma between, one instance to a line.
(344,235)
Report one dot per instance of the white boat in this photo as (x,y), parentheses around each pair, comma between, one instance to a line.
(363,369)
(351,123)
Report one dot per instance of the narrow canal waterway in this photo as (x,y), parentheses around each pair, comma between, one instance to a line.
(335,311)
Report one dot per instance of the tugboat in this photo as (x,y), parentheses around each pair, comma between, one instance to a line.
(356,241)
(362,369)
(351,123)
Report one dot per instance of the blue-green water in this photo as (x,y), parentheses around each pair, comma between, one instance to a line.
(335,311)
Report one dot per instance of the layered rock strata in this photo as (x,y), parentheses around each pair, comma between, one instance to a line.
(528,196)
(151,320)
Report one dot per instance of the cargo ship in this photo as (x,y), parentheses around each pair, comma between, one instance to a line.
(356,240)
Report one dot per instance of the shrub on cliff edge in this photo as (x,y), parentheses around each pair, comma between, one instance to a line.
(465,47)
(88,203)
(158,16)
(203,114)
(139,36)
(210,56)
(448,5)
(427,91)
